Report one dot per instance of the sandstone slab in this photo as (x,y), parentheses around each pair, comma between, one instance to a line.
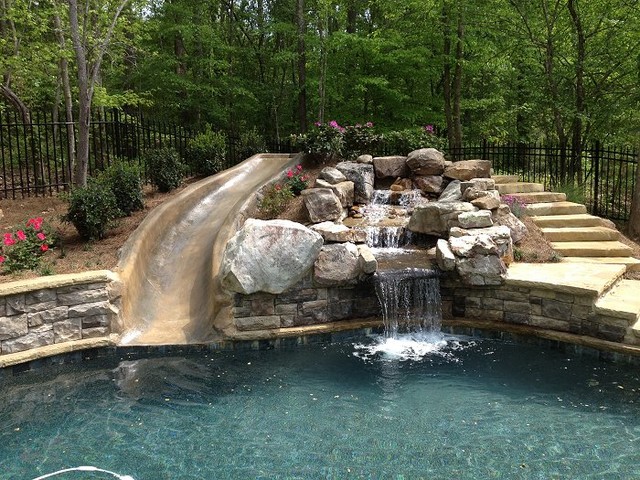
(392,166)
(468,169)
(429,183)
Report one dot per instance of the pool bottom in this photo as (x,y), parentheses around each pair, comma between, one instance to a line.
(494,409)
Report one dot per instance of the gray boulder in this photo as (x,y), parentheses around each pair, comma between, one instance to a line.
(486,203)
(395,166)
(322,204)
(445,258)
(483,184)
(503,216)
(368,159)
(499,235)
(452,193)
(268,256)
(481,270)
(338,264)
(343,190)
(362,176)
(368,262)
(479,219)
(426,161)
(429,183)
(332,175)
(468,169)
(436,218)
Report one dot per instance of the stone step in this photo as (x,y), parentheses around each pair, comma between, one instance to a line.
(540,197)
(622,301)
(579,234)
(519,187)
(633,264)
(575,220)
(505,178)
(554,208)
(592,249)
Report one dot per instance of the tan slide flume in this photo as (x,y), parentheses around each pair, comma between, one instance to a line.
(169,265)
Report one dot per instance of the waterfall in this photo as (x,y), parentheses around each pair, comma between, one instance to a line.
(388,237)
(410,300)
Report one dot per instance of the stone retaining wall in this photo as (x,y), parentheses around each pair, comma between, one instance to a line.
(58,309)
(304,305)
(565,312)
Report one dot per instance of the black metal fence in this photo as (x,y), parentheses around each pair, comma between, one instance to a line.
(604,175)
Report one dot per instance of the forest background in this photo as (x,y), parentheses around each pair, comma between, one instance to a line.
(565,72)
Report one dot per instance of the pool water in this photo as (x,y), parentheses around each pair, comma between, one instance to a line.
(474,409)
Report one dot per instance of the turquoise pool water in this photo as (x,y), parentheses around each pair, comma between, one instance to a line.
(473,410)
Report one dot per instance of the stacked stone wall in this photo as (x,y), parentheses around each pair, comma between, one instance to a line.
(565,312)
(305,304)
(58,309)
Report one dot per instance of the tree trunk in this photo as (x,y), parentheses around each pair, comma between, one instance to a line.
(302,67)
(634,218)
(68,99)
(575,168)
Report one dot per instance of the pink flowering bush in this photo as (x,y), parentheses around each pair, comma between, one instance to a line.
(323,139)
(274,200)
(517,206)
(24,248)
(297,180)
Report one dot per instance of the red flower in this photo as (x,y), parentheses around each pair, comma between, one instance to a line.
(44,247)
(41,236)
(21,236)
(290,173)
(8,239)
(299,168)
(36,223)
(2,259)
(278,187)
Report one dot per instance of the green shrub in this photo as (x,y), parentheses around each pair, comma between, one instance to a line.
(164,167)
(359,139)
(274,200)
(24,248)
(92,210)
(206,152)
(575,193)
(125,182)
(325,139)
(408,140)
(251,142)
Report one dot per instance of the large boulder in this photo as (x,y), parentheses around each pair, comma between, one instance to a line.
(444,256)
(343,190)
(468,169)
(395,166)
(337,265)
(322,204)
(499,235)
(337,232)
(451,193)
(503,216)
(483,184)
(436,218)
(479,219)
(268,256)
(362,176)
(429,183)
(426,161)
(481,270)
(332,175)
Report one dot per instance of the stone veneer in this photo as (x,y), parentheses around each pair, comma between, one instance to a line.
(305,304)
(58,309)
(543,308)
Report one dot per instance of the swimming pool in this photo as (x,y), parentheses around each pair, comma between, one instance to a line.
(474,409)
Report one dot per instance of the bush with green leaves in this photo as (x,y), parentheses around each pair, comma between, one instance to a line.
(251,142)
(92,210)
(24,248)
(274,200)
(359,139)
(124,180)
(404,141)
(164,167)
(325,139)
(206,152)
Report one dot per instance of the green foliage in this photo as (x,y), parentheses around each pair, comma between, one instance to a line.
(24,248)
(360,139)
(575,193)
(124,180)
(92,210)
(251,142)
(164,168)
(325,139)
(297,181)
(274,200)
(206,152)
(404,141)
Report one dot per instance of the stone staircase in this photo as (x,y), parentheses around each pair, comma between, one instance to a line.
(572,232)
(583,238)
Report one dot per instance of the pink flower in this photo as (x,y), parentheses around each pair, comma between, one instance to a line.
(278,187)
(21,236)
(41,236)
(36,223)
(8,239)
(299,168)
(428,128)
(44,247)
(368,124)
(318,124)
(334,124)
(304,178)
(290,174)
(2,259)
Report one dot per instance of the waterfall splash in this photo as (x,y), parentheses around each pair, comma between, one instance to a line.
(412,316)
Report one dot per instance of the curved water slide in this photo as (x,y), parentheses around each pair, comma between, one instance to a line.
(169,266)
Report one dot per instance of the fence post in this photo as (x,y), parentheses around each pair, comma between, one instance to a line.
(596,178)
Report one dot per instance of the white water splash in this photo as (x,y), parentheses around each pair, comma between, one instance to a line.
(85,468)
(412,346)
